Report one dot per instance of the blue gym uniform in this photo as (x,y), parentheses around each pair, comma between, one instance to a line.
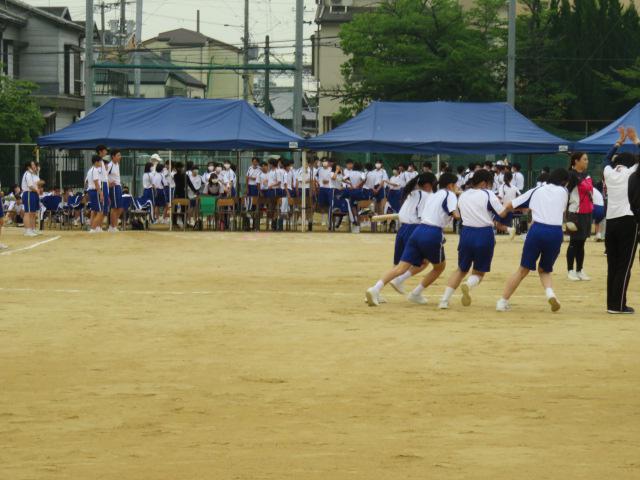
(599,213)
(476,249)
(394,197)
(252,191)
(409,216)
(544,239)
(1,210)
(402,238)
(115,196)
(31,202)
(325,197)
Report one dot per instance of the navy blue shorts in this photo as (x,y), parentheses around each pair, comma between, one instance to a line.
(159,200)
(357,194)
(394,197)
(402,237)
(115,196)
(476,249)
(598,213)
(31,202)
(325,197)
(252,191)
(543,242)
(378,196)
(1,210)
(169,193)
(95,204)
(366,194)
(425,243)
(147,195)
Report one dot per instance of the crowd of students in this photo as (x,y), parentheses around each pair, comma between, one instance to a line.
(430,204)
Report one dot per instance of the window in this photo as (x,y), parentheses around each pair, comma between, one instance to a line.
(8,58)
(327,123)
(72,71)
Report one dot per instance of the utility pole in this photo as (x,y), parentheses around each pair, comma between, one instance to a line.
(267,77)
(102,25)
(511,55)
(88,59)
(198,21)
(245,73)
(297,84)
(123,26)
(136,55)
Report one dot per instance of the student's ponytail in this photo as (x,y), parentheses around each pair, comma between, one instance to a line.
(418,180)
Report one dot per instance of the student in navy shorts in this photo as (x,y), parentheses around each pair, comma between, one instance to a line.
(115,190)
(477,205)
(2,245)
(425,245)
(542,245)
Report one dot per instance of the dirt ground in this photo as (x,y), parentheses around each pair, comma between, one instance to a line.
(253,356)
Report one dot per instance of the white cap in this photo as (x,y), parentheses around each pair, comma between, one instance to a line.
(156,157)
(500,163)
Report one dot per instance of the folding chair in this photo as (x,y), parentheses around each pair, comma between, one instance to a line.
(183,212)
(142,211)
(74,204)
(207,209)
(364,211)
(127,203)
(51,204)
(225,213)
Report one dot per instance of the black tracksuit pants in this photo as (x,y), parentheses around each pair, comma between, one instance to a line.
(621,241)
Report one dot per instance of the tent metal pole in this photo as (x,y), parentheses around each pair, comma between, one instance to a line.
(303,204)
(438,165)
(170,193)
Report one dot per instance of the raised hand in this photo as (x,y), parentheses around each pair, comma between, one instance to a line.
(623,134)
(632,135)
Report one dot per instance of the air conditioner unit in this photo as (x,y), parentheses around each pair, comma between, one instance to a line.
(344,3)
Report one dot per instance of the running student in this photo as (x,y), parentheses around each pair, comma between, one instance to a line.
(415,195)
(30,198)
(506,194)
(580,212)
(542,246)
(425,245)
(115,189)
(478,206)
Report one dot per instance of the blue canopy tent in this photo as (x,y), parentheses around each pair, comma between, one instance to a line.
(175,124)
(603,140)
(439,127)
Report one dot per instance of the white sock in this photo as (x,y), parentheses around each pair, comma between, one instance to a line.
(418,290)
(473,281)
(399,280)
(448,293)
(549,292)
(378,286)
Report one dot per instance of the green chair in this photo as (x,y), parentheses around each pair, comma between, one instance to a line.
(208,207)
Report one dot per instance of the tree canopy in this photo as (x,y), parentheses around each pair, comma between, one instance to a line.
(20,117)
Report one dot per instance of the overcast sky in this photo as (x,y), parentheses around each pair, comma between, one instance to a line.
(273,17)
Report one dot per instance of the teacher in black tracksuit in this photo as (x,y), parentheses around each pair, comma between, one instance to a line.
(622,228)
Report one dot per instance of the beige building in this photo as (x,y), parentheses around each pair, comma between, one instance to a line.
(187,47)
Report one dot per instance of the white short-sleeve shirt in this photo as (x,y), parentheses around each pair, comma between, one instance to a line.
(478,207)
(617,181)
(438,209)
(412,207)
(93,175)
(547,203)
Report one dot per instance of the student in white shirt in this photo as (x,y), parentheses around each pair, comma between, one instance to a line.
(426,243)
(416,194)
(115,189)
(97,198)
(620,176)
(409,174)
(477,205)
(158,191)
(599,214)
(325,190)
(228,179)
(31,188)
(263,179)
(542,246)
(2,245)
(394,191)
(518,177)
(147,185)
(252,178)
(379,180)
(507,193)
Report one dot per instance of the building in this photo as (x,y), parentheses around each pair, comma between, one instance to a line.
(281,107)
(43,45)
(187,47)
(153,83)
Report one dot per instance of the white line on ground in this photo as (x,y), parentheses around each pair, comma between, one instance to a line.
(30,247)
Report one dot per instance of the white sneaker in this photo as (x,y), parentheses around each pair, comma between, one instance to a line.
(113,229)
(381,299)
(419,299)
(512,233)
(466,295)
(503,305)
(92,231)
(555,304)
(573,276)
(30,233)
(3,246)
(397,287)
(444,305)
(372,298)
(583,276)
(38,233)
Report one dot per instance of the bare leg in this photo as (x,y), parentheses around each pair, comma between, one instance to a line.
(514,281)
(433,275)
(456,279)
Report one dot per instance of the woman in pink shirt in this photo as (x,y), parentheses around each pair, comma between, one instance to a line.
(580,212)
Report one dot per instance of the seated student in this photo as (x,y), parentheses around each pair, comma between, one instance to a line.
(542,246)
(15,211)
(213,187)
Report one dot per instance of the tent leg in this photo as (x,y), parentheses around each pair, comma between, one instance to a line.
(438,165)
(303,203)
(170,194)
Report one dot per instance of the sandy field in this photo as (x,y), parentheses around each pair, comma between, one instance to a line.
(253,356)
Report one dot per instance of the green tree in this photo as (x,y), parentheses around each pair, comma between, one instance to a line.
(423,50)
(20,117)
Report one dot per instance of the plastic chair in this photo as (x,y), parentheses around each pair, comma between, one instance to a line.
(51,203)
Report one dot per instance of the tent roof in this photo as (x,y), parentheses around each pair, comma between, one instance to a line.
(439,127)
(176,124)
(603,140)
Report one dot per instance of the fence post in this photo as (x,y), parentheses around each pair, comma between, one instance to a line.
(16,162)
